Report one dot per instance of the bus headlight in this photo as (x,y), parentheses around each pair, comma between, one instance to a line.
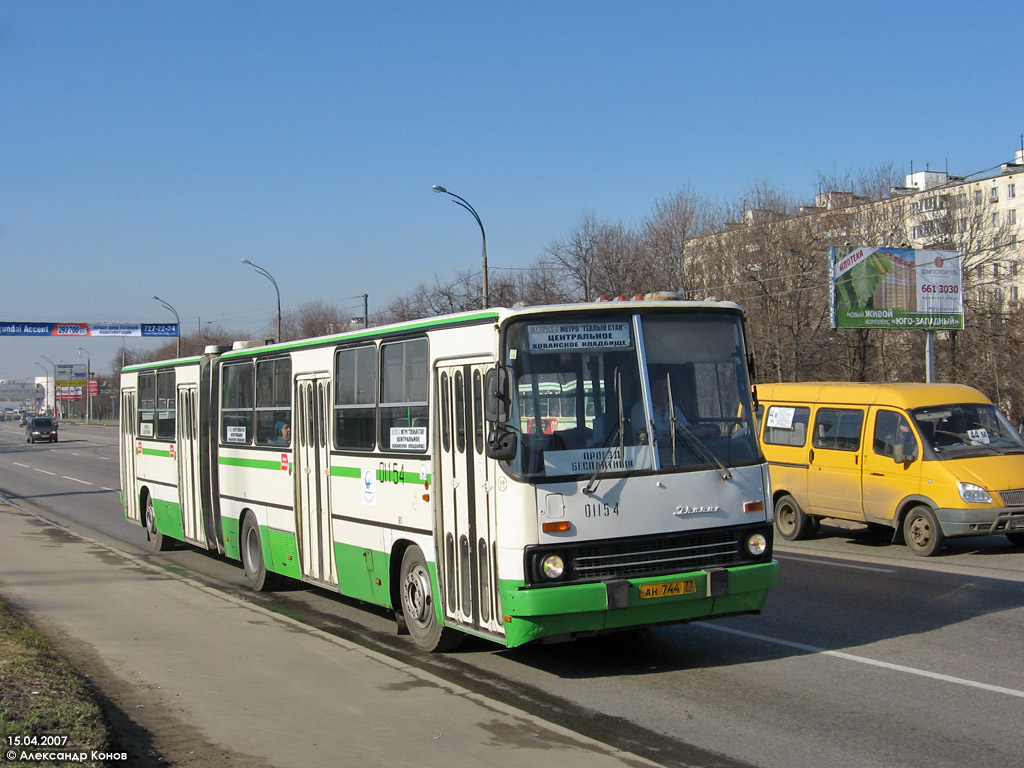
(974,493)
(552,566)
(757,544)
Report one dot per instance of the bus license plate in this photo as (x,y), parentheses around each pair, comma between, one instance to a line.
(668,588)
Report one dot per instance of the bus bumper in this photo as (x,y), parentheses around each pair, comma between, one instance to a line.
(567,611)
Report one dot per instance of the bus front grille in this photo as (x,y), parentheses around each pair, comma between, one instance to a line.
(646,556)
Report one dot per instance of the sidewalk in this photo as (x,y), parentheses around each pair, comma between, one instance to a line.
(261,687)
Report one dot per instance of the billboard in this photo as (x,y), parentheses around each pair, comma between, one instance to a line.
(15,328)
(897,288)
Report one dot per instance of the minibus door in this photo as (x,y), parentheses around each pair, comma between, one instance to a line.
(888,482)
(129,446)
(834,465)
(464,499)
(312,473)
(187,449)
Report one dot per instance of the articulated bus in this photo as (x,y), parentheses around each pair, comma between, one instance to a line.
(409,466)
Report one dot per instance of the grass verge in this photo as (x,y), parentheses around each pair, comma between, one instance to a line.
(41,694)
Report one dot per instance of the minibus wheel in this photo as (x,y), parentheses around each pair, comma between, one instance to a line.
(790,521)
(921,532)
(417,605)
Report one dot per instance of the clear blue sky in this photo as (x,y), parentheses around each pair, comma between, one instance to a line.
(146,147)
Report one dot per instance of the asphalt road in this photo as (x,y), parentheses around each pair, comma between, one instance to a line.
(865,656)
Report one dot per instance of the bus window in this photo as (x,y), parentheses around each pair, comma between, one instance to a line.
(403,397)
(355,400)
(237,403)
(147,404)
(273,401)
(165,405)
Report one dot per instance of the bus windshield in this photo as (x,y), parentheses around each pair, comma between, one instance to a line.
(630,393)
(970,429)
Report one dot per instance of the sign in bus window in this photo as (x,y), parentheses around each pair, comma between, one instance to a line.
(574,337)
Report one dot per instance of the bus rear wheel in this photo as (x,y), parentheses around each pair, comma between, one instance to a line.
(253,565)
(790,521)
(417,605)
(157,541)
(921,532)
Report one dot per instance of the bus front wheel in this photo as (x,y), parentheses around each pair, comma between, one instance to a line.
(790,521)
(255,568)
(921,532)
(157,541)
(417,605)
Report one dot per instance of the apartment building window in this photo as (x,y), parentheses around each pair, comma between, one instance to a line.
(1011,191)
(994,196)
(995,219)
(1013,242)
(1011,217)
(977,197)
(1013,269)
(995,270)
(1014,294)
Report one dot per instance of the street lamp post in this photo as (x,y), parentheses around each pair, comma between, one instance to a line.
(483,272)
(54,366)
(177,320)
(269,277)
(88,378)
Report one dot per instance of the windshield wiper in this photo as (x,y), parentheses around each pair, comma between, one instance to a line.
(699,447)
(691,439)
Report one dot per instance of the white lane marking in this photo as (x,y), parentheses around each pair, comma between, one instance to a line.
(835,564)
(75,479)
(37,469)
(115,490)
(23,466)
(865,660)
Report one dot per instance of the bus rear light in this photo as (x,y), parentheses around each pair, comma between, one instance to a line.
(753,506)
(558,527)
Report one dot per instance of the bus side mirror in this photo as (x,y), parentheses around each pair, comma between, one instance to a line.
(498,394)
(501,445)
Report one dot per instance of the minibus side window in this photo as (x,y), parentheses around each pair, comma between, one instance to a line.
(786,425)
(838,429)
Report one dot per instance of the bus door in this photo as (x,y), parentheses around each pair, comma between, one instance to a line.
(312,472)
(187,450)
(464,515)
(129,446)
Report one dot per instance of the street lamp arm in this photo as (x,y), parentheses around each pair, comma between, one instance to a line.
(483,260)
(277,291)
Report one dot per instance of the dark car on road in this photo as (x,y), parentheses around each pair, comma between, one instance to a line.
(41,428)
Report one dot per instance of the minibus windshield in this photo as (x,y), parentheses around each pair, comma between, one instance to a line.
(632,392)
(969,429)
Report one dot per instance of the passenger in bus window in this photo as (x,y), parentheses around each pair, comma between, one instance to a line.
(282,434)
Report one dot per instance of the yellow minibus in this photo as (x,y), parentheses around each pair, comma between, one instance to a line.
(928,461)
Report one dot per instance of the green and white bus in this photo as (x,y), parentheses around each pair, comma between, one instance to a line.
(416,474)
